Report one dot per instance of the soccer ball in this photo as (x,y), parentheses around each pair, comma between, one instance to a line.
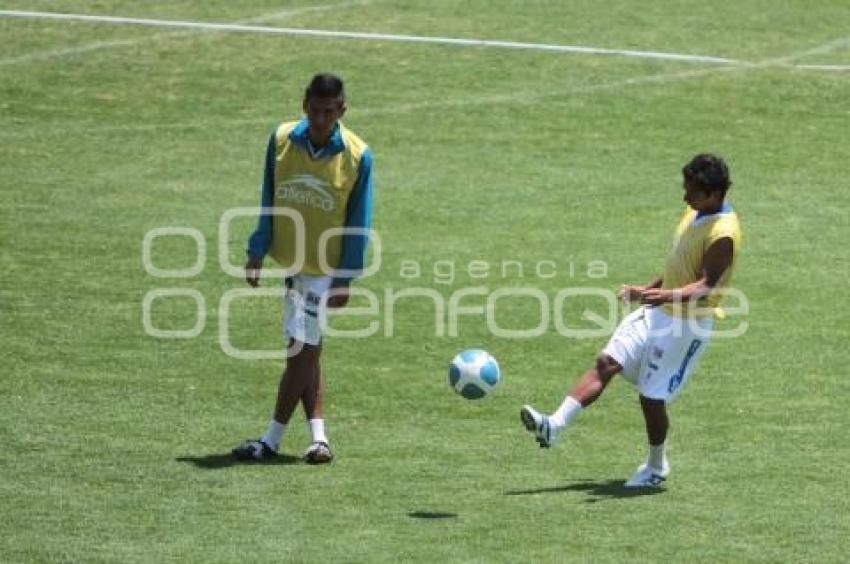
(474,373)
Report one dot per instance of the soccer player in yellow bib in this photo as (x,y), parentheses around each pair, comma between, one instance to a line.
(321,172)
(657,346)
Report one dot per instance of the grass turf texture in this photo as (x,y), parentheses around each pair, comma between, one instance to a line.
(114,441)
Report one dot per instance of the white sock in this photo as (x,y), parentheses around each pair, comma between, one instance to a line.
(274,434)
(317,429)
(656,456)
(565,413)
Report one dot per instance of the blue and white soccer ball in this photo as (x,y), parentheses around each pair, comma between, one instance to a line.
(474,373)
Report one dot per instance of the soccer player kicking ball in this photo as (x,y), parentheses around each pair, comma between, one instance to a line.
(321,172)
(657,346)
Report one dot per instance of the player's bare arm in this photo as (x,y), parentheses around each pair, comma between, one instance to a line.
(339,293)
(632,293)
(716,260)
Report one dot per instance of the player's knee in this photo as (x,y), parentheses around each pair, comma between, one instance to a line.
(607,367)
(653,404)
(302,353)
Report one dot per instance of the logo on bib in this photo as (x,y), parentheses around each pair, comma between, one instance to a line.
(307,190)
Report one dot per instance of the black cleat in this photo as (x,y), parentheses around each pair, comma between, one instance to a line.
(254,449)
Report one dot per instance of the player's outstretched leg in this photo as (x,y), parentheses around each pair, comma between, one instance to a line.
(547,428)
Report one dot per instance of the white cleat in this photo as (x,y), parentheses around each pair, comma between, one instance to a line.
(318,453)
(544,433)
(649,477)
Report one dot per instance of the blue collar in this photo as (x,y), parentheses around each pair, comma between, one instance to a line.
(300,136)
(725,208)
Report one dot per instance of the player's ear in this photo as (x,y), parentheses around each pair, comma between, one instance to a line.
(342,108)
(304,105)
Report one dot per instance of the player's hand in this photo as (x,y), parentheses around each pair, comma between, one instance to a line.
(656,296)
(252,271)
(629,293)
(338,294)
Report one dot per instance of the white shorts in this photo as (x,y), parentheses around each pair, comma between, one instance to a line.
(658,352)
(305,308)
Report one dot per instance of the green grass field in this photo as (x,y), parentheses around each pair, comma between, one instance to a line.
(115,443)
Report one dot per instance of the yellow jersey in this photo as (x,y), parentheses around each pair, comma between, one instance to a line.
(694,235)
(329,188)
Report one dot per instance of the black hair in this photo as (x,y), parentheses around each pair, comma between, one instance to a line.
(709,172)
(325,85)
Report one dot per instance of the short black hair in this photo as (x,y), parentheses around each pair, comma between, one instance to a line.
(709,172)
(325,85)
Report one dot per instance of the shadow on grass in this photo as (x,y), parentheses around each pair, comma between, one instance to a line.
(219,461)
(598,490)
(431,515)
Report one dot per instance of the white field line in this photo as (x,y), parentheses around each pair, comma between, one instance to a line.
(209,26)
(834,45)
(97,45)
(835,68)
(243,27)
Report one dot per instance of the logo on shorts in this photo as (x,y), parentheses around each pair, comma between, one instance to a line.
(677,378)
